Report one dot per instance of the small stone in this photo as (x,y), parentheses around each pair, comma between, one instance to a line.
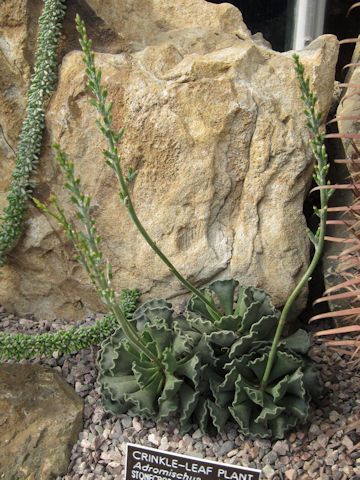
(254,452)
(78,387)
(99,469)
(137,425)
(270,458)
(268,472)
(321,452)
(334,416)
(330,458)
(347,442)
(197,434)
(112,456)
(322,440)
(197,454)
(98,415)
(155,440)
(314,429)
(99,429)
(262,443)
(281,447)
(291,474)
(164,442)
(24,322)
(314,466)
(232,453)
(126,421)
(225,448)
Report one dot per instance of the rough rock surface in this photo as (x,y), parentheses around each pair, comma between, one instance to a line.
(214,127)
(40,420)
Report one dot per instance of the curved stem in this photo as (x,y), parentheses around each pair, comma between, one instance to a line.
(113,159)
(305,278)
(132,334)
(321,169)
(167,262)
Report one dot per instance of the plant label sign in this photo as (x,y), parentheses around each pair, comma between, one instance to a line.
(144,463)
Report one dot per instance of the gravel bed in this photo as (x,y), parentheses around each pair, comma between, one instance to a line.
(324,448)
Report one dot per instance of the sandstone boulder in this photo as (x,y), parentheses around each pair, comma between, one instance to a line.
(213,124)
(40,420)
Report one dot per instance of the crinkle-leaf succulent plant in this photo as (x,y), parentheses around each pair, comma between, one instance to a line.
(212,368)
(131,383)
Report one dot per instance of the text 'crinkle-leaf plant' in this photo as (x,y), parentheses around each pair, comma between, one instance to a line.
(223,359)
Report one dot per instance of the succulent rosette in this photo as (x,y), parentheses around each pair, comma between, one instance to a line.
(211,368)
(271,410)
(132,383)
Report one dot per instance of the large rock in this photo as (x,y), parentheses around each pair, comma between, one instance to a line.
(40,420)
(214,126)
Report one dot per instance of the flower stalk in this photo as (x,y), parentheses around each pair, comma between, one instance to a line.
(88,252)
(321,169)
(113,158)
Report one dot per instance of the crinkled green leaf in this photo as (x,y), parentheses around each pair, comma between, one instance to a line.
(298,342)
(190,369)
(219,416)
(161,334)
(199,307)
(278,390)
(108,357)
(295,406)
(256,395)
(280,425)
(188,398)
(228,322)
(225,290)
(144,400)
(144,373)
(169,401)
(201,413)
(223,338)
(295,383)
(243,301)
(312,380)
(151,310)
(269,411)
(261,329)
(284,364)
